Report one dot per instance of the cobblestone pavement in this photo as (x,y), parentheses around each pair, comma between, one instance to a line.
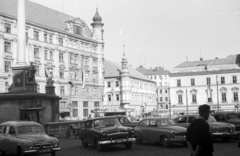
(72,147)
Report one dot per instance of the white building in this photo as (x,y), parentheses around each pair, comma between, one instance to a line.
(215,82)
(161,77)
(62,44)
(128,89)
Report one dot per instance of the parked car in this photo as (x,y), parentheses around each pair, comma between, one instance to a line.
(221,130)
(160,129)
(104,131)
(228,117)
(26,137)
(124,121)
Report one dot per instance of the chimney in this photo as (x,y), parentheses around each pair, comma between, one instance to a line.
(201,59)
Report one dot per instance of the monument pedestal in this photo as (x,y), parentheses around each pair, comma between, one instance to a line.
(50,90)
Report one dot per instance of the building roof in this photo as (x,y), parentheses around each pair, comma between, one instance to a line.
(231,59)
(41,15)
(152,71)
(113,69)
(207,72)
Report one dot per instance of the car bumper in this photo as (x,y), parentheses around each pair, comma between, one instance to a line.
(176,140)
(47,150)
(115,141)
(224,134)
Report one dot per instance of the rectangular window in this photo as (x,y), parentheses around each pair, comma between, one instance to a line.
(96,104)
(235,96)
(36,52)
(85,104)
(75,104)
(62,90)
(194,98)
(178,82)
(222,80)
(61,57)
(161,99)
(50,39)
(60,41)
(234,79)
(192,82)
(209,99)
(51,55)
(85,112)
(208,81)
(37,70)
(45,54)
(224,97)
(77,30)
(166,98)
(179,98)
(61,74)
(117,97)
(7,65)
(109,98)
(165,90)
(117,83)
(36,35)
(75,113)
(7,28)
(160,91)
(7,47)
(108,84)
(95,91)
(45,38)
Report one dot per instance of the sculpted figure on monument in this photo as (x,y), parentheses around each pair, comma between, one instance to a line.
(49,76)
(31,73)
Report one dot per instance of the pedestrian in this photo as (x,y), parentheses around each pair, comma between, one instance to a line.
(198,135)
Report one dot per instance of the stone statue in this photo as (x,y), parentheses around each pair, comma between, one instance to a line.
(31,73)
(49,75)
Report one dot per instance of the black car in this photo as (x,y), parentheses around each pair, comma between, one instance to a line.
(124,121)
(104,131)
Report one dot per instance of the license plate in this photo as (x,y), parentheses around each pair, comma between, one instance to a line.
(44,150)
(120,140)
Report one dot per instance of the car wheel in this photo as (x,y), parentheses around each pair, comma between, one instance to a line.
(53,153)
(20,151)
(98,146)
(128,145)
(164,141)
(139,140)
(84,144)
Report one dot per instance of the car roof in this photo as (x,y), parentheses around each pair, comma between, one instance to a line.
(225,112)
(106,117)
(155,118)
(20,123)
(188,115)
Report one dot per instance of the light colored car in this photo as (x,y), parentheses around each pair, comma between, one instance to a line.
(221,130)
(26,137)
(160,129)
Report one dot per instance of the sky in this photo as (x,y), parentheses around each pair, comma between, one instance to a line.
(161,33)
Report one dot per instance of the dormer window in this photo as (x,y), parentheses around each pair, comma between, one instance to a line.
(77,30)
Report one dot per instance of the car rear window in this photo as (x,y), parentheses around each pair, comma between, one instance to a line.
(29,129)
(232,116)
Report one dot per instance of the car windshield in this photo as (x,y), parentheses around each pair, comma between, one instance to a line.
(171,122)
(30,129)
(106,122)
(165,122)
(232,116)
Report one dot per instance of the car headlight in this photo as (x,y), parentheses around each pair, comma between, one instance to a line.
(173,134)
(56,144)
(29,146)
(104,134)
(132,131)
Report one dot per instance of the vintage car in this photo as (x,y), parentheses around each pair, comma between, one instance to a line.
(221,130)
(104,131)
(228,117)
(26,137)
(160,129)
(124,121)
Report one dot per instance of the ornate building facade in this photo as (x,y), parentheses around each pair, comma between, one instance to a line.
(161,77)
(127,89)
(215,82)
(61,44)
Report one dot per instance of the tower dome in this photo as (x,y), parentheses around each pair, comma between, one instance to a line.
(97,17)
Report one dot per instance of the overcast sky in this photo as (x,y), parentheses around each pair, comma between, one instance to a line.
(161,32)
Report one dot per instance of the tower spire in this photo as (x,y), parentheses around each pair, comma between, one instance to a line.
(124,61)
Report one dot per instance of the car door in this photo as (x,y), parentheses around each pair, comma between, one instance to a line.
(152,132)
(5,138)
(12,140)
(144,127)
(2,136)
(88,132)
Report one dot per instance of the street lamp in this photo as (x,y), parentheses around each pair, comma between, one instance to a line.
(217,93)
(70,105)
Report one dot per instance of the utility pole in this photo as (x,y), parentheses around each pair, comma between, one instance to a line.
(186,102)
(70,105)
(217,93)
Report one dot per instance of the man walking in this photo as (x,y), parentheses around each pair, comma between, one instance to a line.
(198,135)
